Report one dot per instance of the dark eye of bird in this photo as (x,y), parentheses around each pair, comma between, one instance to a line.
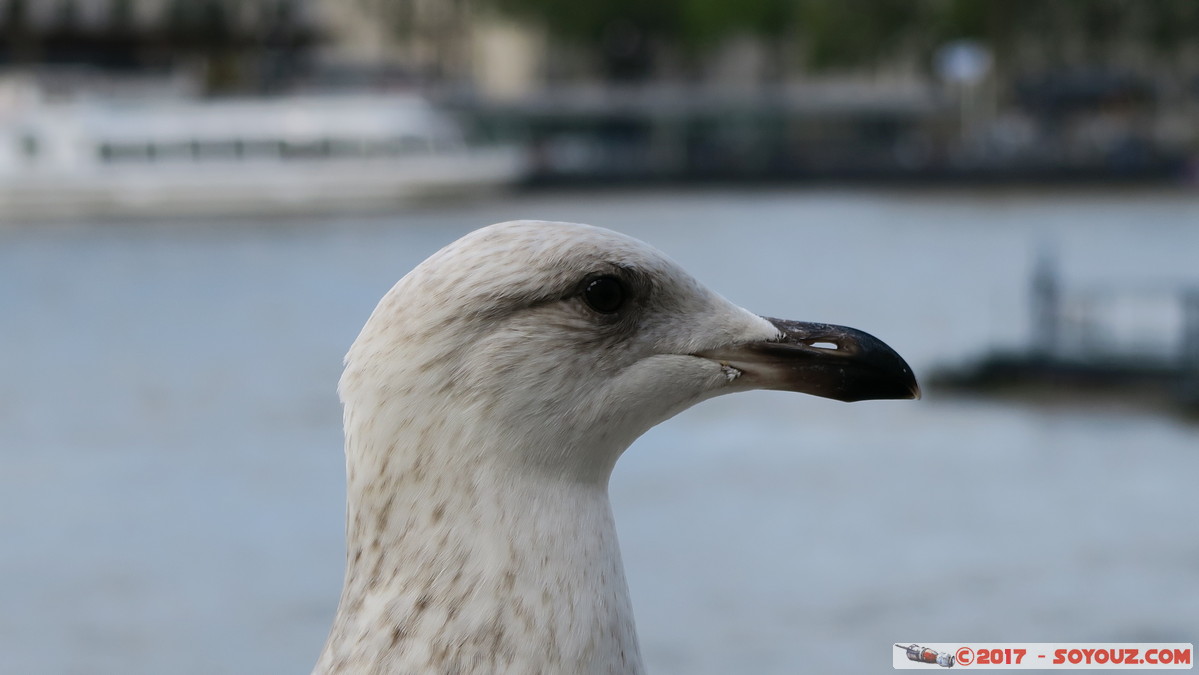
(605,295)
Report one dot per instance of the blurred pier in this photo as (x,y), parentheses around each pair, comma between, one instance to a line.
(1140,342)
(838,129)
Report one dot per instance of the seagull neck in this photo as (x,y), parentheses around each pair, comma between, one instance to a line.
(474,568)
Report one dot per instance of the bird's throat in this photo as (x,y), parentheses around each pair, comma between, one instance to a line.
(481,571)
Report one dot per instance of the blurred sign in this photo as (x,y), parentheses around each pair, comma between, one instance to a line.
(963,61)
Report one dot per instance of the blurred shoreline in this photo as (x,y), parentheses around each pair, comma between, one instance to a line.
(514,198)
(535,194)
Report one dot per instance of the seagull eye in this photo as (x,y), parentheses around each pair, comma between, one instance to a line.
(605,295)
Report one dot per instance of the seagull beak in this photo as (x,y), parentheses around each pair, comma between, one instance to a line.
(835,362)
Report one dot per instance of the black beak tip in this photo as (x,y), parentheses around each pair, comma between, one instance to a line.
(914,392)
(900,386)
(884,386)
(858,367)
(887,376)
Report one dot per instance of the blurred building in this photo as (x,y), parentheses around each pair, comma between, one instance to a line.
(1090,88)
(268,45)
(71,44)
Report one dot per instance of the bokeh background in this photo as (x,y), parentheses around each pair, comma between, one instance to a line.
(201,201)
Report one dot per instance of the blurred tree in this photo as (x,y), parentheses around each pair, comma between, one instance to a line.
(628,36)
(18,45)
(1173,24)
(621,32)
(120,15)
(857,32)
(66,16)
(625,33)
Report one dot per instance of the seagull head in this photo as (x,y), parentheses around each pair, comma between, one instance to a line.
(553,346)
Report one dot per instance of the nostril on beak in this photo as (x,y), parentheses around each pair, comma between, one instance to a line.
(831,346)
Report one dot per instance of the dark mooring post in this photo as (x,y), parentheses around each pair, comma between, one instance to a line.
(1045,315)
(1189,348)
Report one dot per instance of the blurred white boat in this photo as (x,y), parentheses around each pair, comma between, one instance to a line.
(281,155)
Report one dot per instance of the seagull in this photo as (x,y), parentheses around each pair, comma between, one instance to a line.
(486,401)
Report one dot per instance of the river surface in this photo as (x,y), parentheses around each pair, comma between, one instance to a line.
(171,476)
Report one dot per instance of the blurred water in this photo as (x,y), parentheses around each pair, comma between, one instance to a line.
(171,469)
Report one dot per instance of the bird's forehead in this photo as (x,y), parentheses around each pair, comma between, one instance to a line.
(538,257)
